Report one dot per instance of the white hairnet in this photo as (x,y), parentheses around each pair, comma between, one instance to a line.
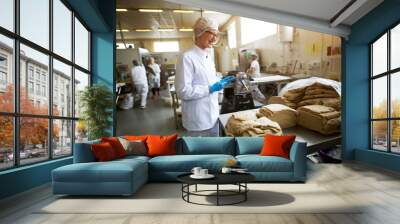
(204,24)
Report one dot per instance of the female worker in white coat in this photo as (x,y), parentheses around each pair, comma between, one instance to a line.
(155,79)
(197,84)
(139,79)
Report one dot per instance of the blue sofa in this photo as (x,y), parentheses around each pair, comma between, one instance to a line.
(125,176)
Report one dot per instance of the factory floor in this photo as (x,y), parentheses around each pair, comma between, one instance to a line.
(157,118)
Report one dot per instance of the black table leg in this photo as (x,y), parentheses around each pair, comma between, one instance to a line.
(196,188)
(217,194)
(245,193)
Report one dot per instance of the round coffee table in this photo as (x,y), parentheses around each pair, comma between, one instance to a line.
(238,179)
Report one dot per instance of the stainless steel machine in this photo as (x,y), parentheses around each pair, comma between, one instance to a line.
(237,96)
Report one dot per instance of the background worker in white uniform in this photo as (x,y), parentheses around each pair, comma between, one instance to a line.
(155,77)
(197,84)
(139,79)
(254,72)
(254,69)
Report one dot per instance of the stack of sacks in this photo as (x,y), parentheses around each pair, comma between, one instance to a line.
(247,124)
(281,100)
(285,116)
(323,119)
(294,95)
(311,91)
(320,94)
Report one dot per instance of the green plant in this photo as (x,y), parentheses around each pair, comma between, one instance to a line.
(96,103)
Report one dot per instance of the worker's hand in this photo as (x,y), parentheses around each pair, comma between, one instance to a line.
(216,87)
(225,81)
(221,84)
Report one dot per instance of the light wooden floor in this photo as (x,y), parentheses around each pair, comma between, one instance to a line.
(378,189)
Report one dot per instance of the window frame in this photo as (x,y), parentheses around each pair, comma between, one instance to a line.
(388,74)
(15,68)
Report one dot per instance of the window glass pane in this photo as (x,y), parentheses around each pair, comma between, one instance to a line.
(6,74)
(33,139)
(6,142)
(252,30)
(379,135)
(35,21)
(81,45)
(395,47)
(395,138)
(379,97)
(232,35)
(81,81)
(379,56)
(7,14)
(166,46)
(62,138)
(34,97)
(62,89)
(81,131)
(62,29)
(395,94)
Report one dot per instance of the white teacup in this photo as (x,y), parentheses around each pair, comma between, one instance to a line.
(196,170)
(203,172)
(226,170)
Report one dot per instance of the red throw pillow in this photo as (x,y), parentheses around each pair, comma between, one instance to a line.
(161,145)
(277,145)
(103,151)
(116,145)
(136,137)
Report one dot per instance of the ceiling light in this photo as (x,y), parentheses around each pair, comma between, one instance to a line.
(122,10)
(150,10)
(186,29)
(123,30)
(143,30)
(166,30)
(182,11)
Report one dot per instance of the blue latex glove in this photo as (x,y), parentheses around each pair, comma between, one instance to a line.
(221,84)
(225,81)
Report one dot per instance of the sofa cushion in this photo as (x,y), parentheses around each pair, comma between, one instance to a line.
(112,171)
(185,163)
(116,145)
(257,163)
(136,137)
(249,145)
(134,147)
(129,159)
(83,152)
(277,145)
(103,152)
(161,145)
(207,145)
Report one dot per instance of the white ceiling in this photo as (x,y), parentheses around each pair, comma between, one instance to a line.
(313,15)
(133,19)
(321,9)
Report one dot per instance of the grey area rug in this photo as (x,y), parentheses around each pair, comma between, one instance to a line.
(166,198)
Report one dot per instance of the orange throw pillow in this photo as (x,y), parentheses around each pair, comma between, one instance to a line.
(116,145)
(161,145)
(277,145)
(103,152)
(136,137)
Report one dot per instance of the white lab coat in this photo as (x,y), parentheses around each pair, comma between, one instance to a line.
(139,79)
(256,66)
(195,73)
(139,75)
(156,78)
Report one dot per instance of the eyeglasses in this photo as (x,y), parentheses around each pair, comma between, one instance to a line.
(212,33)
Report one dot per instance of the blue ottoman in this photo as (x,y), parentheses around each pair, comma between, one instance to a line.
(119,177)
